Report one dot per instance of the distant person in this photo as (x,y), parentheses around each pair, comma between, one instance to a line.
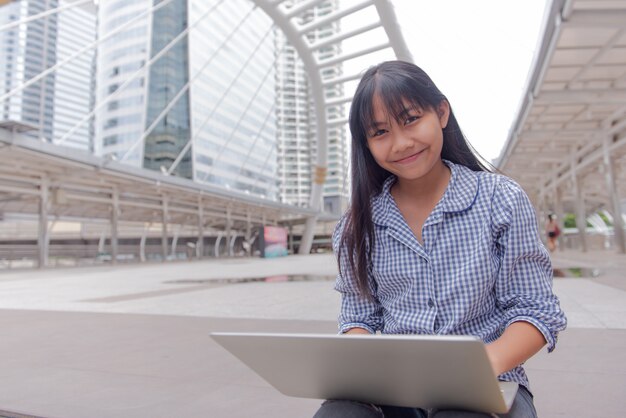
(434,243)
(552,232)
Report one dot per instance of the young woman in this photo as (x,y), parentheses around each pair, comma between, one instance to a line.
(434,243)
(552,232)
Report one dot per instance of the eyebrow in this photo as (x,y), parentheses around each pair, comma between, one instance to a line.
(375,124)
(404,112)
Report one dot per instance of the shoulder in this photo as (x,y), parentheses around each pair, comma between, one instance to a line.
(503,196)
(508,191)
(509,201)
(498,185)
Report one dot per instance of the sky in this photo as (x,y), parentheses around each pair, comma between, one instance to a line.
(479,54)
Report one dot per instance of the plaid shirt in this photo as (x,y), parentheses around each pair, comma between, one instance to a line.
(480,268)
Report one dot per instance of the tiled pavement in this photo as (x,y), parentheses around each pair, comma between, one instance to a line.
(132,341)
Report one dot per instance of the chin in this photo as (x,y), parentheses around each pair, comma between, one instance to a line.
(410,176)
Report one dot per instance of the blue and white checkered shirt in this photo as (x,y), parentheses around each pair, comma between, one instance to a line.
(480,268)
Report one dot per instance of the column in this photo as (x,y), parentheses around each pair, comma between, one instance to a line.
(200,242)
(248,236)
(175,241)
(164,220)
(306,242)
(229,224)
(142,243)
(115,207)
(558,209)
(43,237)
(614,199)
(581,215)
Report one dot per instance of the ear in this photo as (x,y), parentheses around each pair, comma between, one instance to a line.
(443,111)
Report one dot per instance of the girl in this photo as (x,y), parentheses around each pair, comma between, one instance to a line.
(552,232)
(433,242)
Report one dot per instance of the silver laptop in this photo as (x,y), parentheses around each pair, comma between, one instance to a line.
(401,370)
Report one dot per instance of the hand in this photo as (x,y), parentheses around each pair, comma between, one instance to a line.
(493,359)
(519,342)
(357,330)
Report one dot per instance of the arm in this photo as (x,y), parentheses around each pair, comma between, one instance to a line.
(519,342)
(357,315)
(532,313)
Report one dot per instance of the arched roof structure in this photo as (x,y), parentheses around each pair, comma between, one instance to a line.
(284,15)
(567,146)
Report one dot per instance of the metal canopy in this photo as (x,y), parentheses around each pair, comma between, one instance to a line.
(568,141)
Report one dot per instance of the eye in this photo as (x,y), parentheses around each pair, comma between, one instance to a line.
(411,119)
(378,132)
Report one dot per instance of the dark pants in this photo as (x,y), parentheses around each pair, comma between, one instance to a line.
(522,407)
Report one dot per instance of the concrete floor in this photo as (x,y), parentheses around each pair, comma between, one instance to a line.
(132,341)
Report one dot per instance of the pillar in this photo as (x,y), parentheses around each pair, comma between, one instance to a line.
(200,242)
(115,207)
(558,209)
(581,215)
(614,199)
(229,225)
(164,220)
(43,237)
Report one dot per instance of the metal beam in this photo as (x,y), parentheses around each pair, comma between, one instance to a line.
(605,96)
(332,17)
(609,18)
(390,23)
(333,40)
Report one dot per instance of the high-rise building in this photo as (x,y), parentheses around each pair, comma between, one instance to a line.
(295,115)
(204,109)
(54,105)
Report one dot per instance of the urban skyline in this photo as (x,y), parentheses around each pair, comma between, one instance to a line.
(226,103)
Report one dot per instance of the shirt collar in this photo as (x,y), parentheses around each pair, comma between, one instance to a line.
(459,195)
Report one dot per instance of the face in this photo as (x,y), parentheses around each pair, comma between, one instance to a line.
(411,147)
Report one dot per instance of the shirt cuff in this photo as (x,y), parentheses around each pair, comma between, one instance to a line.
(343,328)
(545,331)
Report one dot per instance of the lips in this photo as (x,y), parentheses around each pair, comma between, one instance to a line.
(409,159)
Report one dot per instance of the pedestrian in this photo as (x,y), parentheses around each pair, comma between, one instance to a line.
(552,232)
(434,242)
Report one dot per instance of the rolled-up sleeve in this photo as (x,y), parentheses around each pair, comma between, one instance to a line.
(524,282)
(356,310)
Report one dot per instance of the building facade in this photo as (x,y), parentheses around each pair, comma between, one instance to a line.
(56,104)
(189,90)
(295,117)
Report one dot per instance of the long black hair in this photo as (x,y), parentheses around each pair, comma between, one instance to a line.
(393,82)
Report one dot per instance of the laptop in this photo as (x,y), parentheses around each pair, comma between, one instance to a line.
(422,371)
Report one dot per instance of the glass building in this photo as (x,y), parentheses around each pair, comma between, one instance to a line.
(121,86)
(205,108)
(295,115)
(54,105)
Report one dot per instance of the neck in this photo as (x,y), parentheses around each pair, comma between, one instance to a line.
(427,188)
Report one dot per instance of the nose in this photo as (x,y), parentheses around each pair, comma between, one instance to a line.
(401,141)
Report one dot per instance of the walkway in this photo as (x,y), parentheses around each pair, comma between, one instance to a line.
(133,340)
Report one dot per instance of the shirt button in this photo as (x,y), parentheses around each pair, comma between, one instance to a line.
(431,303)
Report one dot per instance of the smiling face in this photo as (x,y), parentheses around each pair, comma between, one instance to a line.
(408,144)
